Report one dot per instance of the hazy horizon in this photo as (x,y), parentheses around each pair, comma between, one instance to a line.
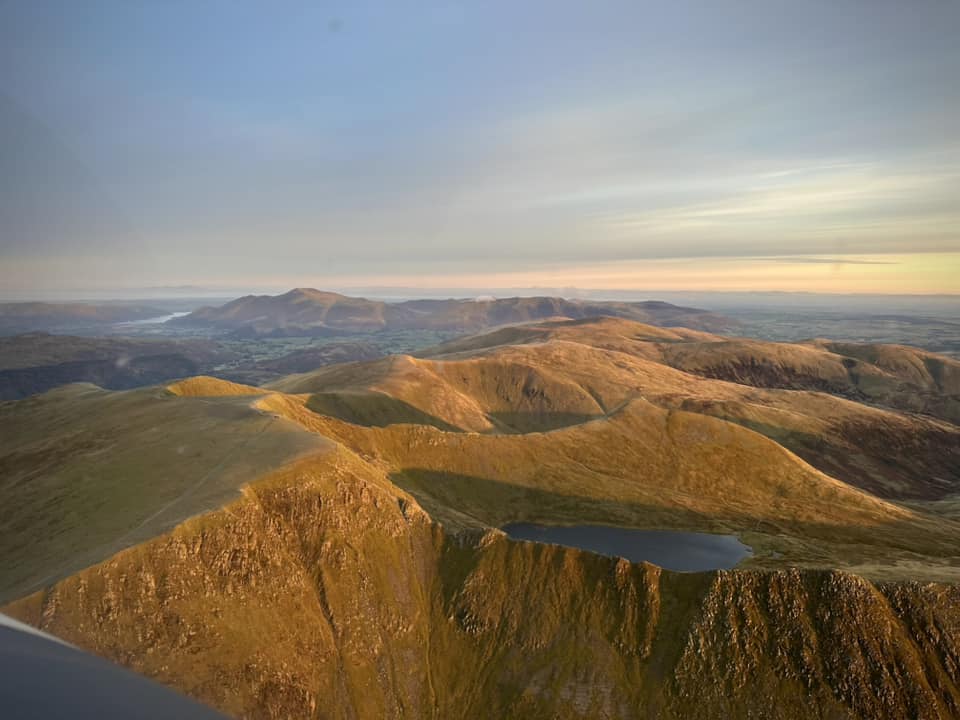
(749,146)
(945,306)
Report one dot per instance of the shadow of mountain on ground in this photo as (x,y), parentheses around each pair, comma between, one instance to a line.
(528,422)
(463,501)
(111,374)
(373,409)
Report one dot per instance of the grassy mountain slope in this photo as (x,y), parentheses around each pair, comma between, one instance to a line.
(85,472)
(899,377)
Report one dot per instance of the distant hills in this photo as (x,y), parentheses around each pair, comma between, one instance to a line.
(32,316)
(305,311)
(36,362)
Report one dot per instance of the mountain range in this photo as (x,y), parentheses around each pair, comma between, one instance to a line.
(38,316)
(329,545)
(305,311)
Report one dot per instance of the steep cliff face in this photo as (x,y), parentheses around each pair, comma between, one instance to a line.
(327,592)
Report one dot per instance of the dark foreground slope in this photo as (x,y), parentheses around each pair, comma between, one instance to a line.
(36,362)
(328,593)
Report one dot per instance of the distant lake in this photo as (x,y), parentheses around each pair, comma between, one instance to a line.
(154,320)
(672,550)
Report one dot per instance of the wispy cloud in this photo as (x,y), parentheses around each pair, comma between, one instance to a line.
(845,193)
(844,208)
(832,261)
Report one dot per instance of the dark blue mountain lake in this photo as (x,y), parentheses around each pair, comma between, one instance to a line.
(672,550)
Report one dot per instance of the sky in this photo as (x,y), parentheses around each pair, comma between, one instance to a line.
(661,146)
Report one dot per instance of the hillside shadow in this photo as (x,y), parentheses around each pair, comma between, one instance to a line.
(530,422)
(373,409)
(16,383)
(495,503)
(377,409)
(465,500)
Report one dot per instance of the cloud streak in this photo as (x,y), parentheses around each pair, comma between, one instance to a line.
(832,261)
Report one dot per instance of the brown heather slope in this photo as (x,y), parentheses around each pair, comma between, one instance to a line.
(548,379)
(919,367)
(478,314)
(895,376)
(325,592)
(603,332)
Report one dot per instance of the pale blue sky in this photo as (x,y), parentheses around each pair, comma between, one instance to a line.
(238,142)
